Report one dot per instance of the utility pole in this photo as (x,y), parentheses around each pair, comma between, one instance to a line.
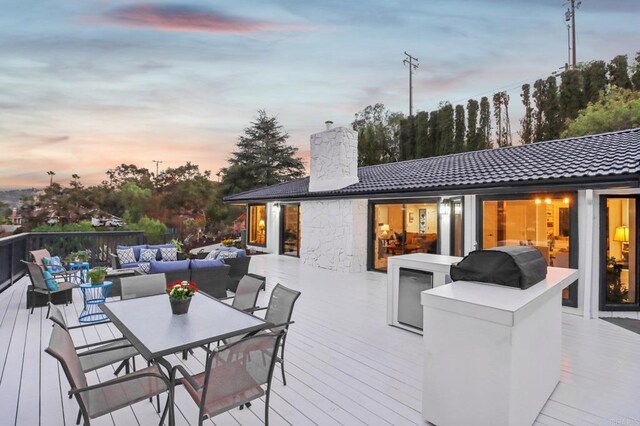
(570,15)
(413,65)
(157,166)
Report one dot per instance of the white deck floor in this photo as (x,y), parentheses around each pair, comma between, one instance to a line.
(344,364)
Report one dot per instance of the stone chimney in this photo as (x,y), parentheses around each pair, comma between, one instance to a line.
(334,159)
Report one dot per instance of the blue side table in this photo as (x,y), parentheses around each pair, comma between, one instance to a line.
(83,267)
(94,295)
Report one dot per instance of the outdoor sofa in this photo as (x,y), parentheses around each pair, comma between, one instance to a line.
(239,264)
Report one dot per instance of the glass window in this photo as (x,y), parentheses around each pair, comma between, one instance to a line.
(621,252)
(402,229)
(257,225)
(542,222)
(457,235)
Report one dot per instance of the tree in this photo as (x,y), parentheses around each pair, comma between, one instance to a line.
(446,127)
(497,113)
(133,199)
(572,98)
(594,77)
(432,133)
(526,123)
(552,124)
(378,134)
(619,72)
(484,128)
(423,149)
(124,173)
(635,77)
(538,114)
(408,138)
(617,110)
(458,140)
(472,123)
(262,158)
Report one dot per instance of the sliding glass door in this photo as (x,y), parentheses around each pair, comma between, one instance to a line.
(290,230)
(402,228)
(619,260)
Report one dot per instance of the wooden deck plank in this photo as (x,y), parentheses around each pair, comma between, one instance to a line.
(344,364)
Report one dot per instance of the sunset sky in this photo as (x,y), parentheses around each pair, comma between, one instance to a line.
(89,84)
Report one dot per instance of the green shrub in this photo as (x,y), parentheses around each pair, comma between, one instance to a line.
(84,226)
(154,230)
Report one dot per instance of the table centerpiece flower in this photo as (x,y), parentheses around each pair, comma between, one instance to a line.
(180,294)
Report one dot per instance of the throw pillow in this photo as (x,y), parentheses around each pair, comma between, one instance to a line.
(169,254)
(147,255)
(52,284)
(145,266)
(126,255)
(55,265)
(212,255)
(227,255)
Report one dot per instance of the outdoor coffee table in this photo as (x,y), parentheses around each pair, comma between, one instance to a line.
(94,295)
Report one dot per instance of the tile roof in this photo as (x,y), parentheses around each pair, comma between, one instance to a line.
(588,158)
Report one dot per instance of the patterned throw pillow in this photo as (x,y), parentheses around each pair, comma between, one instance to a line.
(144,266)
(213,254)
(51,282)
(147,255)
(227,255)
(126,255)
(169,254)
(53,264)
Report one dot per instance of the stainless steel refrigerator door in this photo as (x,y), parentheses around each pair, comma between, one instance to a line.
(410,285)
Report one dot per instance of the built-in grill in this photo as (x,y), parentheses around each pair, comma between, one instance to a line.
(511,266)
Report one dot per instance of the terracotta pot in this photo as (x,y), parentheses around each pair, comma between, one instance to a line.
(179,307)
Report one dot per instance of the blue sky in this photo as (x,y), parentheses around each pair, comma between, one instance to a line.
(89,84)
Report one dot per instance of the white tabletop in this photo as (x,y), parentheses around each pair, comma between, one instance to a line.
(495,302)
(149,324)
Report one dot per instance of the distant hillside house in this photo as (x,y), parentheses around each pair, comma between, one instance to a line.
(576,200)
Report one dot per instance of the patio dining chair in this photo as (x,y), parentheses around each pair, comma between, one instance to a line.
(234,376)
(142,285)
(246,294)
(99,354)
(39,285)
(106,397)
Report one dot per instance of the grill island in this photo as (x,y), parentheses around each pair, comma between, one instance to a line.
(492,353)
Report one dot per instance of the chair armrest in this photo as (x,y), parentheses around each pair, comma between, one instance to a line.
(257,308)
(226,298)
(104,342)
(99,351)
(185,375)
(121,379)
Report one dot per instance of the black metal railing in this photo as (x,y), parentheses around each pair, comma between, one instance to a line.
(100,244)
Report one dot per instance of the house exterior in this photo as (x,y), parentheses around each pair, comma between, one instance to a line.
(576,200)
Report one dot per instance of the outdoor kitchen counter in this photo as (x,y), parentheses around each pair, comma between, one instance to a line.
(492,353)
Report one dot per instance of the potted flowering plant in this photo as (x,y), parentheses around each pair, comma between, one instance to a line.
(180,294)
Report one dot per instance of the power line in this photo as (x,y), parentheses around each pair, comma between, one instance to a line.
(412,66)
(157,166)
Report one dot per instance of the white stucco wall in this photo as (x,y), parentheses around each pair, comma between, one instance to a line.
(334,234)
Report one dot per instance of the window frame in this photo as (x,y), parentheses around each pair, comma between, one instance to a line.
(266,224)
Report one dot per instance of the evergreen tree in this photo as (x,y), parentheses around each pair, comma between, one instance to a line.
(262,158)
(472,123)
(432,134)
(484,127)
(446,129)
(422,132)
(635,77)
(552,124)
(526,123)
(619,72)
(572,98)
(594,78)
(381,141)
(459,129)
(538,114)
(497,114)
(408,138)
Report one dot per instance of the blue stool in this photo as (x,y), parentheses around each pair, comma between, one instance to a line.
(94,295)
(83,267)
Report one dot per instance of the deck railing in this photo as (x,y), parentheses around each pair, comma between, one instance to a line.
(100,244)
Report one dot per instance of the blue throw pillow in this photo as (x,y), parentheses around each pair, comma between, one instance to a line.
(158,247)
(136,250)
(161,267)
(55,265)
(203,263)
(51,282)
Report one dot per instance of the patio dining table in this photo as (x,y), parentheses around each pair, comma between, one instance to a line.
(151,327)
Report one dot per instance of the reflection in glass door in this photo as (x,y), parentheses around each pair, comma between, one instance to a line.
(290,232)
(620,263)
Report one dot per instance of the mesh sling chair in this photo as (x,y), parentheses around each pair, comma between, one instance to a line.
(99,354)
(106,397)
(142,285)
(246,294)
(39,255)
(234,375)
(39,285)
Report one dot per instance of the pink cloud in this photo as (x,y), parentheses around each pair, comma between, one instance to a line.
(188,18)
